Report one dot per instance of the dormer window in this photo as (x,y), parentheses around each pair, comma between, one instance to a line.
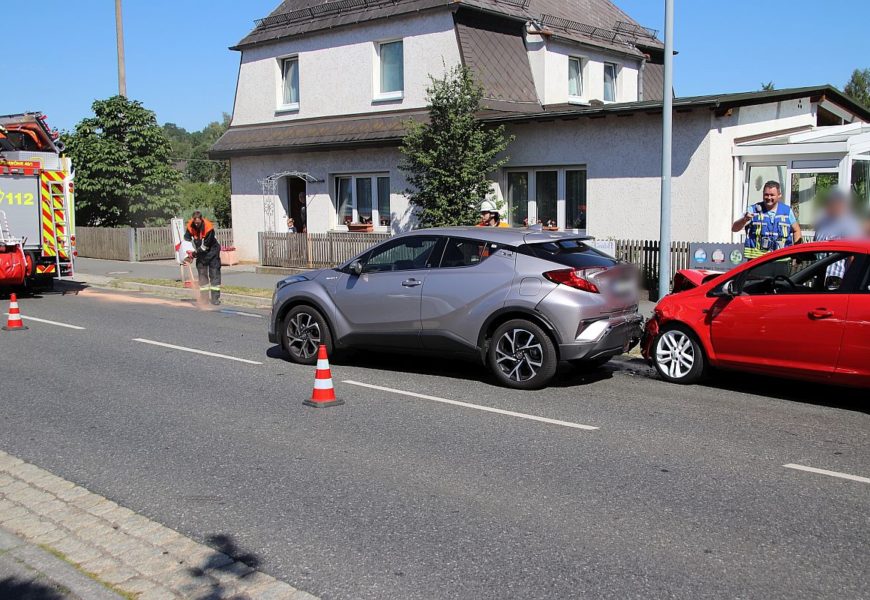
(290,83)
(575,78)
(610,74)
(391,71)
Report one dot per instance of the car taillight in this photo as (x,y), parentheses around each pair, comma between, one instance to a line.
(575,278)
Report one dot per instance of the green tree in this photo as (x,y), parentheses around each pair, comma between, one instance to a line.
(858,87)
(124,173)
(768,87)
(447,160)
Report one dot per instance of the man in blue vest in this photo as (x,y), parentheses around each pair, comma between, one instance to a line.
(769,224)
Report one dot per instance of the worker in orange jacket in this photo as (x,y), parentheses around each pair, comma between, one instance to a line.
(200,231)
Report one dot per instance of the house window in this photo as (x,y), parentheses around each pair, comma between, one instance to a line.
(362,199)
(610,74)
(290,80)
(392,70)
(575,78)
(550,196)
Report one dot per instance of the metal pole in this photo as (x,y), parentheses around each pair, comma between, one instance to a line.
(667,135)
(119,31)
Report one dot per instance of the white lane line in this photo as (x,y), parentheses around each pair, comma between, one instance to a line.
(826,472)
(509,413)
(203,352)
(228,311)
(50,322)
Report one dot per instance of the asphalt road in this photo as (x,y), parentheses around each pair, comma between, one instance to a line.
(680,492)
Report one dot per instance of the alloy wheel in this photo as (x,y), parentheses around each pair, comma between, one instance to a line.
(675,353)
(303,335)
(519,354)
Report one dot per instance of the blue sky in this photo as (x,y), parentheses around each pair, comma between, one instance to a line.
(178,63)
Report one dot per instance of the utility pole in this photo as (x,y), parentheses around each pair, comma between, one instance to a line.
(667,136)
(119,31)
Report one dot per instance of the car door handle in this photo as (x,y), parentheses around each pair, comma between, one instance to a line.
(411,283)
(820,313)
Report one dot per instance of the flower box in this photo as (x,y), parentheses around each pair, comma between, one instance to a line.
(228,256)
(360,227)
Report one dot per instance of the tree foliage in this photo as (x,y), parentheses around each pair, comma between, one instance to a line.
(768,87)
(447,160)
(122,160)
(206,182)
(858,87)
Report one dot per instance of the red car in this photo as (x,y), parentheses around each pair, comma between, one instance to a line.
(801,312)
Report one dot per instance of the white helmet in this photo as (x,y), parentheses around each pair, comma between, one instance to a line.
(489,206)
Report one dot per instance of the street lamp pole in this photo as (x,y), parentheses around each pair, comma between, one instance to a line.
(119,31)
(667,136)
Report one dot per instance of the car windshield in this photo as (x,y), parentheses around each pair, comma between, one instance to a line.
(571,253)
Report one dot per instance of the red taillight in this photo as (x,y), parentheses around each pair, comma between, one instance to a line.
(575,278)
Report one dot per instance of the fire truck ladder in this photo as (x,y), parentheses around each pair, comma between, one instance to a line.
(60,220)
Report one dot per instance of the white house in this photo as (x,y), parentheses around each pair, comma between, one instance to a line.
(325,90)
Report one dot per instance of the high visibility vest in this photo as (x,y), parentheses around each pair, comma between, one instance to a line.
(766,232)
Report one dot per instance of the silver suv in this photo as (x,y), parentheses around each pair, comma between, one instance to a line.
(517,299)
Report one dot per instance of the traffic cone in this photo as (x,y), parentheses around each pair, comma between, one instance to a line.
(323,394)
(14,323)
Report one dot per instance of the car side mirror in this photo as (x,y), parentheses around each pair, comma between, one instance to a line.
(356,268)
(730,288)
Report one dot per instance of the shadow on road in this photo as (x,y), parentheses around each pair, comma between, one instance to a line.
(27,590)
(218,567)
(60,288)
(423,364)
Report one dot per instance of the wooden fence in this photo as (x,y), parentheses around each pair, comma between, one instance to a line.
(314,250)
(645,255)
(143,243)
(106,242)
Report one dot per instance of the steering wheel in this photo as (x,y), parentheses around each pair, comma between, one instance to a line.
(787,279)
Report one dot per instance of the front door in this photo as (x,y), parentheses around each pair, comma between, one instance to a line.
(298,200)
(789,316)
(381,307)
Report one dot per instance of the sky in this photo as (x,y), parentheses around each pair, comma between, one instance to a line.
(179,65)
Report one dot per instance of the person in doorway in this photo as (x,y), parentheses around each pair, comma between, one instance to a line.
(200,231)
(490,215)
(837,222)
(769,224)
(303,211)
(291,225)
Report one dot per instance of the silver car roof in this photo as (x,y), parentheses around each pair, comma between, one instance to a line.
(511,236)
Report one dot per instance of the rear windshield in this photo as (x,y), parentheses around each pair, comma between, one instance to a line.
(571,253)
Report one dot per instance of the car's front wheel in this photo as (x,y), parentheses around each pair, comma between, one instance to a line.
(303,331)
(678,356)
(522,355)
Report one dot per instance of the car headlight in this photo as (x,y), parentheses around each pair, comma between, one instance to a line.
(291,279)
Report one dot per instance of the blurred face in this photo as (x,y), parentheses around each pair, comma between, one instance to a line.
(485,216)
(837,208)
(197,222)
(770,197)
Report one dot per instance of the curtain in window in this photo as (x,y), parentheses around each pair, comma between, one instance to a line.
(291,81)
(575,199)
(575,79)
(364,199)
(546,189)
(609,82)
(518,198)
(384,200)
(344,200)
(392,68)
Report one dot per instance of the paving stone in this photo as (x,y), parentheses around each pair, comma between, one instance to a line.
(17,484)
(54,484)
(13,514)
(277,590)
(82,522)
(47,508)
(160,536)
(72,493)
(118,575)
(6,504)
(255,580)
(24,471)
(137,585)
(300,595)
(231,572)
(158,565)
(100,564)
(118,513)
(7,461)
(6,480)
(188,584)
(102,507)
(31,527)
(157,593)
(50,537)
(86,501)
(96,534)
(76,550)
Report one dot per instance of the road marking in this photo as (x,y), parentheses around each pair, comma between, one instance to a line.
(117,272)
(825,472)
(509,413)
(203,352)
(239,313)
(49,322)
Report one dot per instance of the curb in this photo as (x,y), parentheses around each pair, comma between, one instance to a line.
(185,293)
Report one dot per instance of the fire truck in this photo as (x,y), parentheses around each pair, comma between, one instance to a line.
(37,219)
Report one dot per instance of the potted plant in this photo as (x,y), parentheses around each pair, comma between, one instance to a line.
(366,226)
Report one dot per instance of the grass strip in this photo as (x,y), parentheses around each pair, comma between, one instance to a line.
(225,289)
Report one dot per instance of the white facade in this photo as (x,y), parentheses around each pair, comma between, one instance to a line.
(338,69)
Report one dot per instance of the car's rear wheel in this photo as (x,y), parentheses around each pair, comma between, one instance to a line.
(522,355)
(678,356)
(303,331)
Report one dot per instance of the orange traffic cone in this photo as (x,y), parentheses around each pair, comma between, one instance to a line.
(14,323)
(323,394)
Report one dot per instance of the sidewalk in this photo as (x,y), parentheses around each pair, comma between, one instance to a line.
(238,275)
(61,541)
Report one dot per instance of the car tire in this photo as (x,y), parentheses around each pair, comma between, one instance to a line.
(589,364)
(521,355)
(303,330)
(678,356)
